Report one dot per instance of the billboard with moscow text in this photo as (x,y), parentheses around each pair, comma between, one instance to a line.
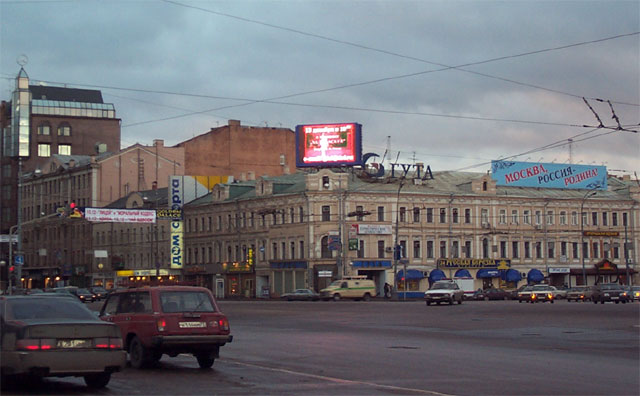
(549,175)
(327,145)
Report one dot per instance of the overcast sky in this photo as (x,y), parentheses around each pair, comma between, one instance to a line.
(384,64)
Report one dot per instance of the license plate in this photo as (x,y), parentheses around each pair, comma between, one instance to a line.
(614,298)
(192,325)
(82,343)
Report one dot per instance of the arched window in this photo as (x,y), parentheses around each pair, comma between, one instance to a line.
(64,129)
(484,186)
(324,248)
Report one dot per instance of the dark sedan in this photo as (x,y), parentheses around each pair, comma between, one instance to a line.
(57,337)
(301,295)
(496,294)
(609,292)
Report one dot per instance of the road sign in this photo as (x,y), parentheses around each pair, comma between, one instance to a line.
(19,259)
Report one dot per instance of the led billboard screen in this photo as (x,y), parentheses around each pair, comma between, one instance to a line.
(327,145)
(549,175)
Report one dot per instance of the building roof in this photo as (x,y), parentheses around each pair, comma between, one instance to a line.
(65,94)
(156,198)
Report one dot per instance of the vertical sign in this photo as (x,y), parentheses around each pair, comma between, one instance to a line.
(176,201)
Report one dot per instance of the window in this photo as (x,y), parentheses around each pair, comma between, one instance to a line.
(380,249)
(324,247)
(44,150)
(360,251)
(381,213)
(503,217)
(403,249)
(550,217)
(359,210)
(526,217)
(326,213)
(484,216)
(596,249)
(614,219)
(429,249)
(301,210)
(575,250)
(429,215)
(416,249)
(585,250)
(64,130)
(467,249)
(514,217)
(514,249)
(443,215)
(605,219)
(538,217)
(443,249)
(503,248)
(403,214)
(485,248)
(551,250)
(44,129)
(574,218)
(538,250)
(455,249)
(274,249)
(624,219)
(563,249)
(454,215)
(416,215)
(467,216)
(594,218)
(563,218)
(301,249)
(527,249)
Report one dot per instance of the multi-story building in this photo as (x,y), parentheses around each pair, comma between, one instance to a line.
(243,152)
(274,234)
(62,247)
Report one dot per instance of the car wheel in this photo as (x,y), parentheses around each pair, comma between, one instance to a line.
(428,303)
(486,299)
(451,301)
(138,355)
(205,360)
(460,301)
(97,381)
(551,301)
(617,302)
(367,297)
(595,302)
(336,297)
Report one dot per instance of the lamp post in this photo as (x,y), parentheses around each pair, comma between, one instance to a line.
(396,248)
(589,193)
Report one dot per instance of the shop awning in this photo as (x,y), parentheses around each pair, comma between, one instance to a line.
(371,263)
(462,273)
(487,273)
(535,276)
(436,275)
(512,275)
(411,274)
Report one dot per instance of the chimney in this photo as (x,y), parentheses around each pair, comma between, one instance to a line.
(158,143)
(72,163)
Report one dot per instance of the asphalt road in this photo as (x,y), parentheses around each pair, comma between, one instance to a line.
(382,347)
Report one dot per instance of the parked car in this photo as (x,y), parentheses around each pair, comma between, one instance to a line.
(301,295)
(477,295)
(444,291)
(57,337)
(579,293)
(559,292)
(157,320)
(542,293)
(514,293)
(525,294)
(614,292)
(71,290)
(635,293)
(496,294)
(99,292)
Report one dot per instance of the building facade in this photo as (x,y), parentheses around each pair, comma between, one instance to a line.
(272,235)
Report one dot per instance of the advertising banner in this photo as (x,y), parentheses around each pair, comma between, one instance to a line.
(374,229)
(549,175)
(327,145)
(177,256)
(473,263)
(120,215)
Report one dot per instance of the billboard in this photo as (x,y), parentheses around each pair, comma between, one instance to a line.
(120,215)
(549,175)
(327,145)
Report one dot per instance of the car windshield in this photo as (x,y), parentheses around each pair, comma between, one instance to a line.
(83,291)
(45,308)
(611,287)
(186,301)
(302,291)
(577,289)
(541,288)
(438,286)
(99,289)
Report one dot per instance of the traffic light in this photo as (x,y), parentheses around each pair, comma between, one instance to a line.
(12,274)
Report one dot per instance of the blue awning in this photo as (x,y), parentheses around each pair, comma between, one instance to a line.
(411,274)
(487,273)
(436,275)
(462,273)
(535,276)
(511,275)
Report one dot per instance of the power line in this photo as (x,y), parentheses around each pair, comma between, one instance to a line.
(443,66)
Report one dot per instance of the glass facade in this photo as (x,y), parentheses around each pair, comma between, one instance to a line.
(74,109)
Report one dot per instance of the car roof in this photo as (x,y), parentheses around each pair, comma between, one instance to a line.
(163,288)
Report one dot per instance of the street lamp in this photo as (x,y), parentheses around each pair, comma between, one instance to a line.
(589,193)
(396,248)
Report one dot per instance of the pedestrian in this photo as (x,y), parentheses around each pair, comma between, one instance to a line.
(387,290)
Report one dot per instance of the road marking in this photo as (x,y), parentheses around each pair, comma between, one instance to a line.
(338,380)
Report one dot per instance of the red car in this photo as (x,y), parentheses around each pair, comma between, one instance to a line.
(157,320)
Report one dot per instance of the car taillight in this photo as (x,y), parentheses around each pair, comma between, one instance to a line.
(36,344)
(533,296)
(162,324)
(108,343)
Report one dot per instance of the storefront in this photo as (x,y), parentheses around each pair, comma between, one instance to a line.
(409,283)
(287,276)
(239,279)
(374,270)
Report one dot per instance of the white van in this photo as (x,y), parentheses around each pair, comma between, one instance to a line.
(354,287)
